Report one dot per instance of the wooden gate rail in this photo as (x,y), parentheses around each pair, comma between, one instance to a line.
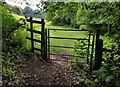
(63,46)
(37,49)
(67,55)
(68,30)
(36,40)
(35,31)
(69,38)
(35,21)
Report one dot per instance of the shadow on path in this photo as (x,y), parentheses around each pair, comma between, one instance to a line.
(35,71)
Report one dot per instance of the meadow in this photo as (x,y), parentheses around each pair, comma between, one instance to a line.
(53,33)
(102,67)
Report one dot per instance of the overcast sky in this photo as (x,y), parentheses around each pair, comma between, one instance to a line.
(21,3)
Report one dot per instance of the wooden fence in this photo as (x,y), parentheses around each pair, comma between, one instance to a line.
(97,43)
(42,41)
(67,38)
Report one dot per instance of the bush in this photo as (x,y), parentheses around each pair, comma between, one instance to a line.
(108,75)
(80,63)
(13,45)
(8,66)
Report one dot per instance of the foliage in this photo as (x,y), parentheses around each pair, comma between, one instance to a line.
(100,13)
(108,75)
(81,48)
(9,23)
(16,10)
(10,27)
(76,14)
(7,20)
(80,63)
(73,14)
(8,68)
(12,45)
(61,13)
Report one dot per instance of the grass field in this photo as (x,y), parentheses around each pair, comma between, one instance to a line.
(55,33)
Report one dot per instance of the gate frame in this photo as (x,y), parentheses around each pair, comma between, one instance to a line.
(43,40)
(45,48)
(89,33)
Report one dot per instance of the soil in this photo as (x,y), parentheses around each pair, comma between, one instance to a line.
(35,71)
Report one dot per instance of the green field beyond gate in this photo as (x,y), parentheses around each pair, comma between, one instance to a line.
(57,41)
(63,41)
(55,31)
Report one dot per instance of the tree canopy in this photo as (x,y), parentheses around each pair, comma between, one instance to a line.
(75,14)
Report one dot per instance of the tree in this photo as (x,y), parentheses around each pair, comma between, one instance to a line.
(16,10)
(61,12)
(9,23)
(101,13)
(98,13)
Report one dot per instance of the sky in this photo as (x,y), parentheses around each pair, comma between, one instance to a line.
(21,3)
(32,4)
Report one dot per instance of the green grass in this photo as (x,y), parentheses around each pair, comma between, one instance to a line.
(67,34)
(56,42)
(56,33)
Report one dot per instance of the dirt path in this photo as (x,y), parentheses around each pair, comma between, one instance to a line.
(35,71)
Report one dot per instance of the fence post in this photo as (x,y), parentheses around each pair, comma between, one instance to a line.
(98,51)
(31,27)
(98,61)
(42,38)
(48,44)
(45,47)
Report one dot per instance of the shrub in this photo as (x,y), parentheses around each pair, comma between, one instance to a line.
(108,75)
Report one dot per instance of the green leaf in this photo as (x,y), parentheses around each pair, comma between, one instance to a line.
(117,83)
(109,78)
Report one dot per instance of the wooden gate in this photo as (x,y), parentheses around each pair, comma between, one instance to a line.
(42,41)
(46,39)
(50,37)
(95,52)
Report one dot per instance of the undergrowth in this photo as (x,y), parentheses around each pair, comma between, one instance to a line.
(109,73)
(13,46)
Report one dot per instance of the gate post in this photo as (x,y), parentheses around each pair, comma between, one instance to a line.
(44,41)
(45,47)
(98,51)
(48,43)
(42,38)
(31,28)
